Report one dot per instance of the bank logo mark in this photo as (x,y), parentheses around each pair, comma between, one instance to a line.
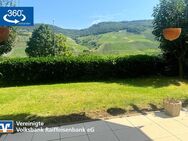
(6,126)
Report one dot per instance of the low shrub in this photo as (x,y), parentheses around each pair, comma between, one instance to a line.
(79,68)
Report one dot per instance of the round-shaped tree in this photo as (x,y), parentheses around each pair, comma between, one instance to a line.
(41,42)
(172,14)
(45,43)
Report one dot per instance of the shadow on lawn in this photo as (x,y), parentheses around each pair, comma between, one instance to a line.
(155,82)
(116,111)
(138,110)
(152,82)
(53,121)
(143,111)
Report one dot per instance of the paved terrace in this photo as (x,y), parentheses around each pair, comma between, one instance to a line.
(151,127)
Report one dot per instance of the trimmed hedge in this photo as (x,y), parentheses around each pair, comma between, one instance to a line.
(79,68)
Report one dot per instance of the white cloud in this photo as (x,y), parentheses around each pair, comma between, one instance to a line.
(95,22)
(109,17)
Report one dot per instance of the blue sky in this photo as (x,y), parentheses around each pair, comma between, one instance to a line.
(77,14)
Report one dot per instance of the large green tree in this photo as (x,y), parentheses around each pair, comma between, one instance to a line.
(172,13)
(45,43)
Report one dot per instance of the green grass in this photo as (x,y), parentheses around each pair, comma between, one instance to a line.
(55,100)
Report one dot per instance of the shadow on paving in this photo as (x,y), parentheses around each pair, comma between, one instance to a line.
(104,131)
(111,130)
(185,103)
(143,111)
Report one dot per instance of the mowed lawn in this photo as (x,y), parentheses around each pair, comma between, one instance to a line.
(68,98)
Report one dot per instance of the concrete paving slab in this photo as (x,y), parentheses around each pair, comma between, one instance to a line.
(79,138)
(152,127)
(161,116)
(173,127)
(99,126)
(2,137)
(72,134)
(118,123)
(167,139)
(183,136)
(131,134)
(154,131)
(139,121)
(183,121)
(19,137)
(103,136)
(46,136)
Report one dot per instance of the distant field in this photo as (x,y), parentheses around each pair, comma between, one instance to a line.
(123,43)
(20,46)
(113,43)
(76,48)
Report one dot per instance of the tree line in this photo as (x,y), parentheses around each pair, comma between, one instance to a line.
(168,13)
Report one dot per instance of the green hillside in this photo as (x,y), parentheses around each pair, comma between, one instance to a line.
(137,27)
(21,44)
(106,38)
(74,47)
(121,42)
